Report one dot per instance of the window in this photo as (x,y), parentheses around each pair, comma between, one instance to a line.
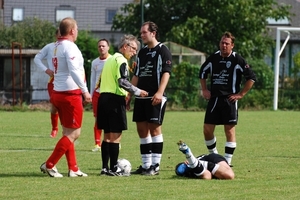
(284,21)
(110,13)
(63,12)
(18,14)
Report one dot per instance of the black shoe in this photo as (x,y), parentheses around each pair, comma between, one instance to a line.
(111,173)
(103,171)
(152,171)
(140,170)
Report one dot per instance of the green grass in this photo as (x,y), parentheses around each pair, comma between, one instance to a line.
(266,161)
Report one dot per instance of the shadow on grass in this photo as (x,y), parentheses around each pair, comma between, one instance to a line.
(24,175)
(24,149)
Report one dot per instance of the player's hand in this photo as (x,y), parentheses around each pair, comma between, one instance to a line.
(87,97)
(157,99)
(206,94)
(143,93)
(49,72)
(235,97)
(128,100)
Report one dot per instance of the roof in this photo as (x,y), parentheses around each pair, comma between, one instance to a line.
(178,49)
(24,52)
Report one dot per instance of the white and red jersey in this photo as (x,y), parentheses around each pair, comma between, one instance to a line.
(69,72)
(96,70)
(45,53)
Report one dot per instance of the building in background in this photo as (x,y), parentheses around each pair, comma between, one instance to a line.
(20,72)
(20,79)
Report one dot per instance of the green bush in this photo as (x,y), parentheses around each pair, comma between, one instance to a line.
(183,87)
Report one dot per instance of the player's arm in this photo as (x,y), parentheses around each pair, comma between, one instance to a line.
(126,85)
(41,56)
(92,80)
(250,80)
(204,91)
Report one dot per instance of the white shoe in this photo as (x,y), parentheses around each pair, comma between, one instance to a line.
(96,148)
(77,174)
(51,172)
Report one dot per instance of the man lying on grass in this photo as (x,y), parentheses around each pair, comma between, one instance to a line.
(205,166)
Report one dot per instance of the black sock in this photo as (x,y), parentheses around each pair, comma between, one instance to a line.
(105,154)
(113,155)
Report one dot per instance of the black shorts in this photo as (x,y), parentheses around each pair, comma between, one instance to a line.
(145,111)
(221,111)
(111,113)
(214,158)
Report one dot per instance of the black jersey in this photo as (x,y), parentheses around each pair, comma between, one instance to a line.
(151,64)
(212,159)
(225,73)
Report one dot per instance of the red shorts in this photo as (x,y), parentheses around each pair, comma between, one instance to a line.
(95,98)
(69,107)
(50,87)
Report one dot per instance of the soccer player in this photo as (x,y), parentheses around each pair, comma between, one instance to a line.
(69,89)
(226,69)
(205,166)
(45,53)
(96,70)
(152,73)
(111,114)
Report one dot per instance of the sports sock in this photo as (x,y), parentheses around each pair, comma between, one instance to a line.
(97,135)
(105,154)
(229,149)
(113,155)
(192,160)
(60,149)
(212,145)
(54,121)
(71,158)
(146,149)
(157,148)
(198,170)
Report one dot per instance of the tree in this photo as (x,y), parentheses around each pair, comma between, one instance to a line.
(200,24)
(31,33)
(36,33)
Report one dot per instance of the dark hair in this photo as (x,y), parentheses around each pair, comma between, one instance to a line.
(103,39)
(229,35)
(152,27)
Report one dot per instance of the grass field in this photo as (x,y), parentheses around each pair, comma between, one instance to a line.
(266,161)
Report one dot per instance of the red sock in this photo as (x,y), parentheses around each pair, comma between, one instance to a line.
(71,158)
(60,149)
(54,121)
(97,135)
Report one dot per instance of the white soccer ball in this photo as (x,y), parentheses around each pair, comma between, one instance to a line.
(124,166)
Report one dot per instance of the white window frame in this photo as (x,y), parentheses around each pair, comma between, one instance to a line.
(17,14)
(62,12)
(108,18)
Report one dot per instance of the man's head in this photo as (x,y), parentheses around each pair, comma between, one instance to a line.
(149,32)
(129,46)
(226,44)
(103,48)
(181,169)
(68,28)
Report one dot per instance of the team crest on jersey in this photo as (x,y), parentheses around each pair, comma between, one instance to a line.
(153,54)
(228,64)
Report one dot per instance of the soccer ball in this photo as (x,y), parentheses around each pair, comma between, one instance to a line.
(124,166)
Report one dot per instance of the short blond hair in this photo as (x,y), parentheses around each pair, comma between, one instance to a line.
(66,25)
